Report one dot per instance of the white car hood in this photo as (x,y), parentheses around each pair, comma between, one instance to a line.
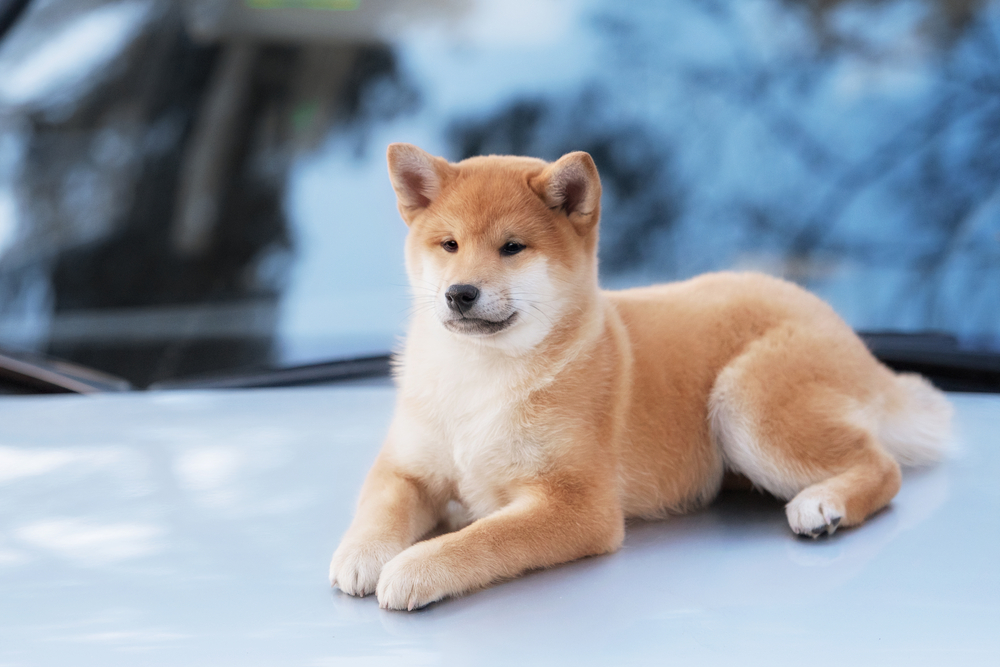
(195,528)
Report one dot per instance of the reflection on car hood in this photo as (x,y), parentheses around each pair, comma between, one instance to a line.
(195,528)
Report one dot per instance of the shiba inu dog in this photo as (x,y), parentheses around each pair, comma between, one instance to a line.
(550,411)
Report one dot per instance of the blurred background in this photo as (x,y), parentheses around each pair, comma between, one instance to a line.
(197,187)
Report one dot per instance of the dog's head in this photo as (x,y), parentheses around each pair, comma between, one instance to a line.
(501,249)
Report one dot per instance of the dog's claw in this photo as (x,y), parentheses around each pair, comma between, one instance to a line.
(829,529)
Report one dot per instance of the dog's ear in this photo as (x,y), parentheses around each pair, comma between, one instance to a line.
(571,185)
(417,177)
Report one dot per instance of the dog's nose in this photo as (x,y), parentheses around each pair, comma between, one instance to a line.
(461,298)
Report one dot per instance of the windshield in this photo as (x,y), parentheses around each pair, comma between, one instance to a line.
(201,186)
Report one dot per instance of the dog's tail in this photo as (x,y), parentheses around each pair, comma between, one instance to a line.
(916,428)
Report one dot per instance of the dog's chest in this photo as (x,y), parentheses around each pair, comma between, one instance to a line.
(480,436)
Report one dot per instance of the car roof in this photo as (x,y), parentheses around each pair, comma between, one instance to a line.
(196,527)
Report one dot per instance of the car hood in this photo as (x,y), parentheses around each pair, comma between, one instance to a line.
(196,527)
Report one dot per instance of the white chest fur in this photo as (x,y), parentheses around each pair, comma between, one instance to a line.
(465,420)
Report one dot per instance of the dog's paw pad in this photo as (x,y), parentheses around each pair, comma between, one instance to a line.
(826,528)
(811,515)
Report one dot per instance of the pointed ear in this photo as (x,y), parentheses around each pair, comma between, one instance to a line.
(417,177)
(571,185)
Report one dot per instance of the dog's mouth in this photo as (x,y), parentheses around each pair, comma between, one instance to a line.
(473,326)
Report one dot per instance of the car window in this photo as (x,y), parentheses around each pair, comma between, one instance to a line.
(200,186)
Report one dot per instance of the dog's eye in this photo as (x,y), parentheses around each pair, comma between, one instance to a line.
(450,245)
(511,248)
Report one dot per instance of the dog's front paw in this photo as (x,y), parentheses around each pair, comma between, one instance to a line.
(413,579)
(356,565)
(814,512)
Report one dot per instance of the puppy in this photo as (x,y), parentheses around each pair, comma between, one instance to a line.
(550,410)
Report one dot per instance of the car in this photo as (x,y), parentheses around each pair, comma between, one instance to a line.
(195,365)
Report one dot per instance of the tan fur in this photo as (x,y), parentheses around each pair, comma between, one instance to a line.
(592,406)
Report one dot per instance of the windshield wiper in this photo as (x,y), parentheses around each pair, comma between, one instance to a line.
(339,370)
(25,373)
(939,358)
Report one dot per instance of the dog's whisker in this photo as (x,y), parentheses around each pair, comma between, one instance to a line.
(542,313)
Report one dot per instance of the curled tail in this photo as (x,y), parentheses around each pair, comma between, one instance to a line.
(916,428)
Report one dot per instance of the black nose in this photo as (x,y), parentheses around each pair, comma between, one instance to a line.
(461,298)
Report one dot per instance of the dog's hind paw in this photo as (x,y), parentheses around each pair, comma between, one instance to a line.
(812,514)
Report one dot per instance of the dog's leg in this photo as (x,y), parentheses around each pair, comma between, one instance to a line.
(543,526)
(798,422)
(394,511)
(836,475)
(846,499)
